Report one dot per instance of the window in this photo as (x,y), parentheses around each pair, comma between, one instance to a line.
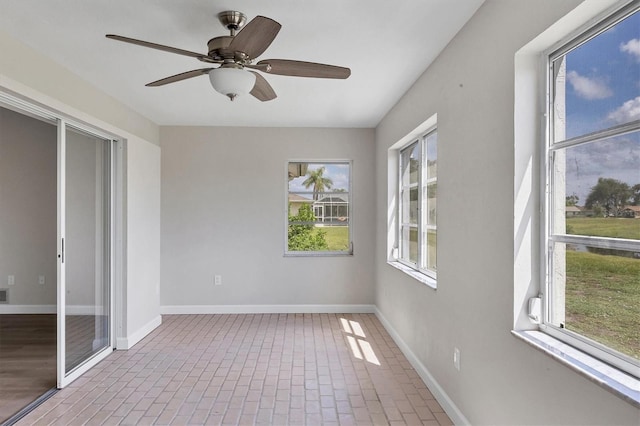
(592,192)
(417,207)
(319,208)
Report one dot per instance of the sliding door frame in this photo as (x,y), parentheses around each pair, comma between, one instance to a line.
(65,377)
(116,246)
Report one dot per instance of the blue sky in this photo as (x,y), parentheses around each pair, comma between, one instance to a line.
(603,90)
(338,173)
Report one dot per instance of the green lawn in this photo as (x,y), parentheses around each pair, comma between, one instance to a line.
(337,237)
(602,290)
(616,227)
(603,299)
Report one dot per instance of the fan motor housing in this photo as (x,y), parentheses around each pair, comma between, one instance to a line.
(219,48)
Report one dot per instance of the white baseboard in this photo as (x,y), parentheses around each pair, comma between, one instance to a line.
(443,399)
(123,343)
(267,309)
(50,309)
(28,309)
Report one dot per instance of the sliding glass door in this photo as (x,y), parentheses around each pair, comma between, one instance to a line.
(84,190)
(85,170)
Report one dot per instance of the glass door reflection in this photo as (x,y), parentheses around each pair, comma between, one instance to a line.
(86,246)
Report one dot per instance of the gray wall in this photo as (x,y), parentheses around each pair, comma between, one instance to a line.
(142,298)
(223,212)
(502,380)
(27,208)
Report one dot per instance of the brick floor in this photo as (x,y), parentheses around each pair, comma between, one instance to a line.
(271,369)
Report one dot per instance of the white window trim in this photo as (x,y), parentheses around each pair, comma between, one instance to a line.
(287,252)
(529,182)
(550,237)
(393,192)
(414,273)
(421,226)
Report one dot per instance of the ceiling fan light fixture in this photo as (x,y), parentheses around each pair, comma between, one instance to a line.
(232,81)
(239,50)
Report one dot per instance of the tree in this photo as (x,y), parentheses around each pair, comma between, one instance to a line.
(302,235)
(319,182)
(572,200)
(635,189)
(609,194)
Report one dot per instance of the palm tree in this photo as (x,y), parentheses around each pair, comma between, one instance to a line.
(319,182)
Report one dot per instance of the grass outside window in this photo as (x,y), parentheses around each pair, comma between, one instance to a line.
(603,286)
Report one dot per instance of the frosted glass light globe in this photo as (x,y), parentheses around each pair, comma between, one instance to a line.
(232,82)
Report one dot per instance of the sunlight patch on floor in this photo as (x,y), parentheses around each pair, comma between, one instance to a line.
(357,329)
(345,326)
(360,348)
(367,350)
(355,349)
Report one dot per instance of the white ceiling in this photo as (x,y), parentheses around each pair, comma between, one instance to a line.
(387,45)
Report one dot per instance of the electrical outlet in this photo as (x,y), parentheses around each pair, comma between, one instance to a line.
(456,358)
(41,280)
(217,280)
(11,280)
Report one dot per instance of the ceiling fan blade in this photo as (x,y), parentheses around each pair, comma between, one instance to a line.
(159,47)
(179,77)
(305,69)
(262,90)
(255,37)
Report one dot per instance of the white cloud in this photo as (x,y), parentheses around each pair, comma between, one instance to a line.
(617,158)
(340,181)
(589,88)
(629,111)
(632,47)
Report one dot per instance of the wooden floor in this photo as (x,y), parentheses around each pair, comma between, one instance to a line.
(27,360)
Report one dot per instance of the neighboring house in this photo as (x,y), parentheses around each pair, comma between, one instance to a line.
(332,209)
(295,202)
(631,211)
(571,211)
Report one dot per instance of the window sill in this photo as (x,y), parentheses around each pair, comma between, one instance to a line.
(319,254)
(424,279)
(606,376)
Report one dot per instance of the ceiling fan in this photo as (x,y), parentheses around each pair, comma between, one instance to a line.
(236,53)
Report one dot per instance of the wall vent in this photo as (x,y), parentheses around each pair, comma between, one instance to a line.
(4,295)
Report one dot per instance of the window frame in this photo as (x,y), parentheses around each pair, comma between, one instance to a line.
(422,225)
(551,149)
(319,253)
